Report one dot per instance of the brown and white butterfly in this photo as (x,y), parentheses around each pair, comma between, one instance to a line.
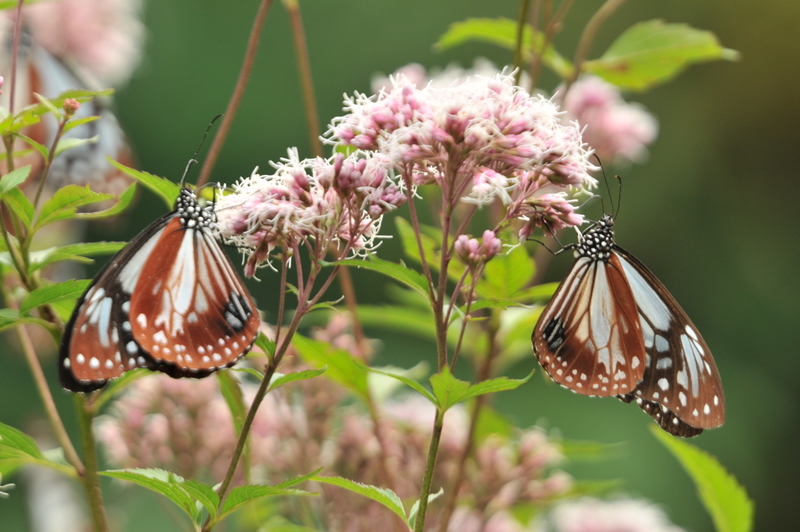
(613,329)
(169,301)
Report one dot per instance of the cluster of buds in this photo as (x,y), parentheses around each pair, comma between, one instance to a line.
(473,253)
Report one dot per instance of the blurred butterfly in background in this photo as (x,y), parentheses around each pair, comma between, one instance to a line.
(169,301)
(613,329)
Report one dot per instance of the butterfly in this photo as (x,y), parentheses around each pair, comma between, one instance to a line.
(613,329)
(169,301)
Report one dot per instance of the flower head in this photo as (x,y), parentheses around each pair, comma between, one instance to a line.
(594,515)
(318,201)
(481,140)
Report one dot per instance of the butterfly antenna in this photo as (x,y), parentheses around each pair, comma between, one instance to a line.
(619,195)
(605,180)
(202,141)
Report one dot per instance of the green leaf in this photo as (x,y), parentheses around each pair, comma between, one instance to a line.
(266,345)
(204,494)
(724,498)
(74,252)
(503,32)
(8,317)
(14,178)
(450,391)
(51,108)
(294,481)
(653,52)
(506,274)
(296,376)
(385,496)
(67,143)
(384,382)
(20,205)
(44,295)
(41,148)
(122,203)
(341,366)
(65,203)
(164,482)
(539,293)
(166,189)
(492,423)
(411,383)
(430,238)
(18,449)
(242,495)
(77,122)
(412,515)
(399,272)
(232,393)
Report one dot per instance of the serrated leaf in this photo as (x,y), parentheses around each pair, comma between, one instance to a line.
(341,366)
(294,481)
(450,391)
(44,295)
(383,382)
(653,52)
(14,178)
(204,494)
(123,201)
(65,203)
(166,189)
(18,449)
(164,482)
(67,143)
(384,496)
(503,32)
(506,274)
(20,205)
(242,495)
(11,438)
(411,383)
(724,498)
(297,376)
(399,272)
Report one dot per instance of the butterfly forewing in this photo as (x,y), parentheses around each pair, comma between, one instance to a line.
(588,337)
(190,309)
(681,384)
(170,301)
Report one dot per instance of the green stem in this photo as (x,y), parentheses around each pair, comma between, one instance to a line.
(429,467)
(524,5)
(91,480)
(238,92)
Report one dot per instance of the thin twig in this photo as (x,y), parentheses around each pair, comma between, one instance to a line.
(238,92)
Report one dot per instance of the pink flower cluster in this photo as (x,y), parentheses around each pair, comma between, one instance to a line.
(310,202)
(593,515)
(616,129)
(480,140)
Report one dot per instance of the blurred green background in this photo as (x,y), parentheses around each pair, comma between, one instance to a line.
(712,212)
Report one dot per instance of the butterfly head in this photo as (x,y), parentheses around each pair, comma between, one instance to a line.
(191,213)
(597,242)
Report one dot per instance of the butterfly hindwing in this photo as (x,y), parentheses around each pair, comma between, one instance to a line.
(169,301)
(588,337)
(681,384)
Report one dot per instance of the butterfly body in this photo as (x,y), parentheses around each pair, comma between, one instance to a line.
(613,329)
(169,301)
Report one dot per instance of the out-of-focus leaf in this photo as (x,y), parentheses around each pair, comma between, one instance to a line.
(14,178)
(341,366)
(44,295)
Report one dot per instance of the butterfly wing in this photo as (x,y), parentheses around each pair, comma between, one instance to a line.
(190,310)
(588,338)
(681,388)
(98,343)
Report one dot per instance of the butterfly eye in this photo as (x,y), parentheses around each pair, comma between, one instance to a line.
(169,301)
(612,328)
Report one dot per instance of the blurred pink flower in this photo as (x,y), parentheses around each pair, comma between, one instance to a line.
(616,129)
(103,37)
(593,515)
